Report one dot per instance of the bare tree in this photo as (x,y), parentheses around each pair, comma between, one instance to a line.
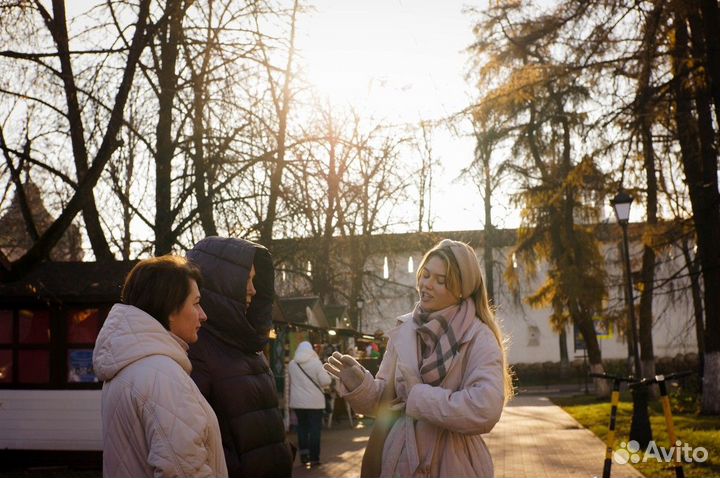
(280,83)
(424,146)
(489,131)
(87,178)
(699,158)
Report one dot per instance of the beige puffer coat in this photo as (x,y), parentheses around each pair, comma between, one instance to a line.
(155,420)
(440,432)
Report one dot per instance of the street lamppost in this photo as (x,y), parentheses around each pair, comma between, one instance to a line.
(640,430)
(360,303)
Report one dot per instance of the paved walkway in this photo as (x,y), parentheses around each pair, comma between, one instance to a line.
(341,451)
(534,438)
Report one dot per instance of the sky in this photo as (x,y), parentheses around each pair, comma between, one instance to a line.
(400,62)
(403,61)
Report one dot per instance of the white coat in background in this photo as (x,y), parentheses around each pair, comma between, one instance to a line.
(303,393)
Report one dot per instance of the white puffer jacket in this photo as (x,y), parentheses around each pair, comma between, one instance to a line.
(303,393)
(155,420)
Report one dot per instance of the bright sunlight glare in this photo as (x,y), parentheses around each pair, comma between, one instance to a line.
(399,59)
(403,62)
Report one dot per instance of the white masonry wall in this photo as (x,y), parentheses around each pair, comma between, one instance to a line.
(529,331)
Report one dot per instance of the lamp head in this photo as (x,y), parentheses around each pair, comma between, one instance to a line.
(621,205)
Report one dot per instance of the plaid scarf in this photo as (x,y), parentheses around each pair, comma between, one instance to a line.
(440,334)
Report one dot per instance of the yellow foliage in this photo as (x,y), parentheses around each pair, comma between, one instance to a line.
(544,296)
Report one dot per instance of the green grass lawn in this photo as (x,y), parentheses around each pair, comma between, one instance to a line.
(691,428)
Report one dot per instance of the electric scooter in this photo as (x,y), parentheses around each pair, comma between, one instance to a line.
(614,400)
(661,381)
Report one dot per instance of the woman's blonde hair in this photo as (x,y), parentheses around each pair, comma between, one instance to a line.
(460,258)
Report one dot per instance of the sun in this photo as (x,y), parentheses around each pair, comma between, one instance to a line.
(386,57)
(398,62)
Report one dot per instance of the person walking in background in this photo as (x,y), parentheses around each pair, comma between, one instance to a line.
(155,421)
(446,368)
(308,380)
(229,366)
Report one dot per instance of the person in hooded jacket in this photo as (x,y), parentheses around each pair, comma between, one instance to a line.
(155,420)
(229,366)
(308,378)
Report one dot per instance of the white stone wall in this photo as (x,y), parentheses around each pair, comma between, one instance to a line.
(531,337)
(529,331)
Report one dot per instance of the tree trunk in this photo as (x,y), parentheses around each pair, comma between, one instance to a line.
(696,294)
(489,263)
(326,290)
(21,198)
(52,235)
(585,325)
(126,211)
(564,356)
(645,336)
(203,196)
(426,164)
(266,230)
(165,146)
(647,357)
(282,106)
(579,312)
(629,369)
(645,116)
(710,21)
(701,177)
(58,28)
(711,400)
(489,232)
(358,255)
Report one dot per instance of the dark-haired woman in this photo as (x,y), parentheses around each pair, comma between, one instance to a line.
(155,420)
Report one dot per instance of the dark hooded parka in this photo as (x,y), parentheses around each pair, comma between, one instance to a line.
(228,364)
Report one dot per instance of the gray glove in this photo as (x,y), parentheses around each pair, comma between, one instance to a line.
(345,369)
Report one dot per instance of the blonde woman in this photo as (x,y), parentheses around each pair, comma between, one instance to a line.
(446,365)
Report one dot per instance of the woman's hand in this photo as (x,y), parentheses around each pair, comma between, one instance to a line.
(405,381)
(398,404)
(346,369)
